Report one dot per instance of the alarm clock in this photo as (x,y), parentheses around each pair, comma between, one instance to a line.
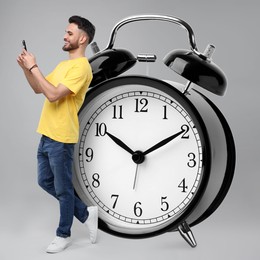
(155,156)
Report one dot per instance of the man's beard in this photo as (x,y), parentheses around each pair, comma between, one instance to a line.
(70,47)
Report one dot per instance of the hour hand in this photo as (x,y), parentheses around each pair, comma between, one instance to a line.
(120,143)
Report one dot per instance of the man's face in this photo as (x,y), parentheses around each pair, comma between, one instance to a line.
(72,37)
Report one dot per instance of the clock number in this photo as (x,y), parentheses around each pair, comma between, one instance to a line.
(141,105)
(101,129)
(165,205)
(192,163)
(116,198)
(117,112)
(186,129)
(138,210)
(89,154)
(183,186)
(95,182)
(165,112)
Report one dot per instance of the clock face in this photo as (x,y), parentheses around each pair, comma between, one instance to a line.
(140,157)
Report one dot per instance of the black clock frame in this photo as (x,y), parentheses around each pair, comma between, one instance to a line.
(230,164)
(198,121)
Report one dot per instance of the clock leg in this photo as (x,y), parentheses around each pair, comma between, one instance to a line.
(187,234)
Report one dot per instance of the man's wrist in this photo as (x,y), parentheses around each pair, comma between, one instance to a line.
(34,66)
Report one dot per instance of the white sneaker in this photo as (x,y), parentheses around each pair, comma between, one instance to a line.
(92,223)
(58,244)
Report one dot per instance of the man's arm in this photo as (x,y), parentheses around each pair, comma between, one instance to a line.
(32,81)
(51,92)
(37,81)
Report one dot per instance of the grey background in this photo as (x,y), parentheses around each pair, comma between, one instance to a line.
(29,217)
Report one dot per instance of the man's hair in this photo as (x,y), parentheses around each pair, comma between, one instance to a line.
(84,25)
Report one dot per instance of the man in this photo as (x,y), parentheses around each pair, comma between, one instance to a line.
(64,88)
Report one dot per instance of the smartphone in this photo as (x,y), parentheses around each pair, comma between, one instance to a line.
(24,45)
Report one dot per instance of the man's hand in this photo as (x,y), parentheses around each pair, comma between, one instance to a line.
(26,60)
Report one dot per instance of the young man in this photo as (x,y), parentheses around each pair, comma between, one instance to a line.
(64,88)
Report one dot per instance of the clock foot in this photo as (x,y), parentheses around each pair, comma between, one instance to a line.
(187,234)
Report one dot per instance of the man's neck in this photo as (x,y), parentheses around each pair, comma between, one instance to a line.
(74,54)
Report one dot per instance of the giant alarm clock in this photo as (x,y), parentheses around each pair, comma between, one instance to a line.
(154,155)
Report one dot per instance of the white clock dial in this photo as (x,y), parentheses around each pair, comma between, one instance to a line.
(139,158)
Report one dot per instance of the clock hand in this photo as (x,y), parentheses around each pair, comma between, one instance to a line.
(120,143)
(138,156)
(136,170)
(163,142)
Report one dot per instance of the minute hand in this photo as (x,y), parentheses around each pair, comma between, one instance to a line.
(163,142)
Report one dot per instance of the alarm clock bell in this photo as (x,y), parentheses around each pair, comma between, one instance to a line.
(198,69)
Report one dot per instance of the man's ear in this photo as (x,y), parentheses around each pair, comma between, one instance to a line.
(83,39)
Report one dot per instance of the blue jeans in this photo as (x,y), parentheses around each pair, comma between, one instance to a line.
(55,161)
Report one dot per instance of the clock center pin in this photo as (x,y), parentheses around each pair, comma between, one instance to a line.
(138,157)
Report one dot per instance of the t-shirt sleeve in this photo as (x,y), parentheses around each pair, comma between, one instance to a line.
(75,78)
(48,76)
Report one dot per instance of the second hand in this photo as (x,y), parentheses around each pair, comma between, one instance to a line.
(136,172)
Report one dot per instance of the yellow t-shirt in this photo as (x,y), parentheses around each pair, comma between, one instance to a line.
(59,120)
